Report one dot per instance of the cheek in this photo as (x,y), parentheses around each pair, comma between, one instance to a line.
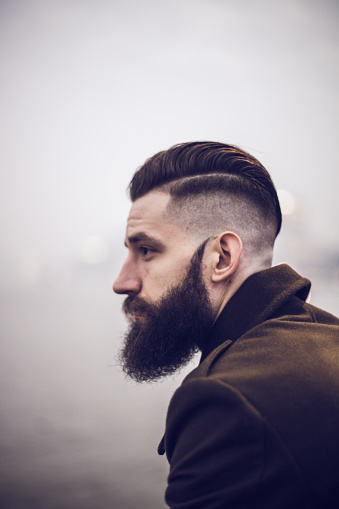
(176,269)
(158,278)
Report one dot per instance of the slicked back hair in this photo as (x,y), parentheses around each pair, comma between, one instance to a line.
(246,176)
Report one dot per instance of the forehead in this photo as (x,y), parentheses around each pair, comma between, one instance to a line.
(147,216)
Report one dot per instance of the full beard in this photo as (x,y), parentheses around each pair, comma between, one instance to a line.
(165,335)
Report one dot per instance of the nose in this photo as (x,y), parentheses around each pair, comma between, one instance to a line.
(127,282)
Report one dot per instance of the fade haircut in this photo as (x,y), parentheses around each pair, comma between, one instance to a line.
(214,179)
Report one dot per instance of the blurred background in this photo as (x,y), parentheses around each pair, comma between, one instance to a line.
(89,90)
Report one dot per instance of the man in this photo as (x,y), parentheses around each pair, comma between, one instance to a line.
(256,424)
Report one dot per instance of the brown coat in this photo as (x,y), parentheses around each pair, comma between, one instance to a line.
(256,424)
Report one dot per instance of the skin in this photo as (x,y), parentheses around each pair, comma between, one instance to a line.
(159,252)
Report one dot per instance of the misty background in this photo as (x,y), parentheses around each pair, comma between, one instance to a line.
(88,90)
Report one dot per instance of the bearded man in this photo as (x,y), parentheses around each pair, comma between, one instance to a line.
(256,424)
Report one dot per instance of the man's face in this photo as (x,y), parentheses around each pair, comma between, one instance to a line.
(167,304)
(159,251)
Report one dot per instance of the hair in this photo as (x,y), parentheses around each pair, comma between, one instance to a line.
(217,168)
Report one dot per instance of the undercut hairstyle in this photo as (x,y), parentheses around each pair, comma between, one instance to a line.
(247,176)
(216,186)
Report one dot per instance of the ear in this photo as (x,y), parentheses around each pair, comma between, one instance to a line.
(227,251)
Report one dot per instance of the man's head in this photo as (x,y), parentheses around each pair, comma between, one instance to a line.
(204,217)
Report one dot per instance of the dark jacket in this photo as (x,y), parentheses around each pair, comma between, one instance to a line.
(256,424)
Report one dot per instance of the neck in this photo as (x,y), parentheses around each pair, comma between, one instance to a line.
(238,278)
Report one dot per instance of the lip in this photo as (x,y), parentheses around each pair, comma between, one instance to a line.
(134,316)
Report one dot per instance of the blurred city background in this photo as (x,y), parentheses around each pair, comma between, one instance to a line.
(89,89)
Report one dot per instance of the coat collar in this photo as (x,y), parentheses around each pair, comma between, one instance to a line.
(258,298)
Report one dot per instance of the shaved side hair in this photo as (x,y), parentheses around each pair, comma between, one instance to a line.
(205,206)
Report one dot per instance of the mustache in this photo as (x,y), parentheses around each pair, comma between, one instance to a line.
(133,305)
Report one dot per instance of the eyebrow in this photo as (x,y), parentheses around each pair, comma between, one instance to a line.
(143,237)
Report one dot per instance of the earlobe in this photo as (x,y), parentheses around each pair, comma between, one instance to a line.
(227,253)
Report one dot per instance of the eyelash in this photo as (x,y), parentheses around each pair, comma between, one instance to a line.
(143,249)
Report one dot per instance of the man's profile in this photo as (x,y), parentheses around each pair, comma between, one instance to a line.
(256,424)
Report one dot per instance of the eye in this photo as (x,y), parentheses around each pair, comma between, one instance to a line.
(145,251)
